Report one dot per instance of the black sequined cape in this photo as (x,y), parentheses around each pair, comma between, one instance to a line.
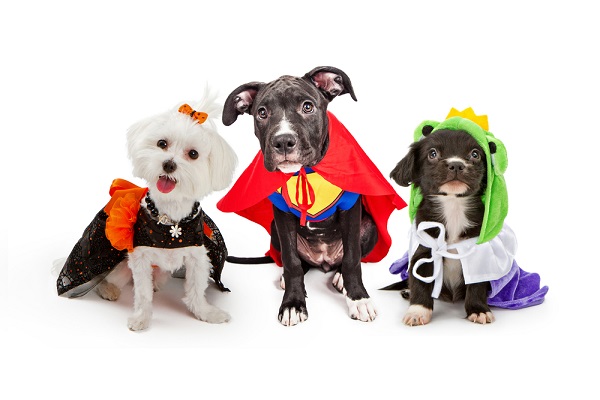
(93,257)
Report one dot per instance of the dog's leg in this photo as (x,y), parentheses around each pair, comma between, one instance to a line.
(159,278)
(368,239)
(305,267)
(476,305)
(360,305)
(197,272)
(275,241)
(110,287)
(141,271)
(293,306)
(421,303)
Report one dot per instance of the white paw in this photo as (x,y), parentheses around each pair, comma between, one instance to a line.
(338,282)
(213,315)
(482,318)
(138,322)
(362,309)
(417,315)
(291,317)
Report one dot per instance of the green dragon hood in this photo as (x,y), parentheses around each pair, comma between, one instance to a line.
(495,197)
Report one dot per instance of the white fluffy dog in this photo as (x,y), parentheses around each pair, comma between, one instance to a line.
(181,156)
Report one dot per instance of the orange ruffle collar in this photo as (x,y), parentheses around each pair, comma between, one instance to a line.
(122,210)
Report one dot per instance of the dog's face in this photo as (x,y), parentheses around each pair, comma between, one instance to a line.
(445,162)
(290,115)
(180,158)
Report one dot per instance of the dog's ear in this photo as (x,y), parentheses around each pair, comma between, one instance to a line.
(222,160)
(136,135)
(426,130)
(332,82)
(406,170)
(240,101)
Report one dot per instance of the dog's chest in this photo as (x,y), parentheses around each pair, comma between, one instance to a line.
(312,196)
(453,212)
(151,233)
(320,243)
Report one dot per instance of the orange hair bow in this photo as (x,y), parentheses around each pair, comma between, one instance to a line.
(200,117)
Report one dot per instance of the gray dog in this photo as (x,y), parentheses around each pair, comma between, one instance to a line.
(318,215)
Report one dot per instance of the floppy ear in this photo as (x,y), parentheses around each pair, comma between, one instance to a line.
(240,101)
(407,169)
(135,133)
(332,82)
(222,162)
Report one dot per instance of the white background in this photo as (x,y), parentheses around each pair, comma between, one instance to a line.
(75,75)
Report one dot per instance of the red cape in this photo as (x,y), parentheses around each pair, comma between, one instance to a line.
(345,165)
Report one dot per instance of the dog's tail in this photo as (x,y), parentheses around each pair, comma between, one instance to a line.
(396,286)
(250,260)
(402,286)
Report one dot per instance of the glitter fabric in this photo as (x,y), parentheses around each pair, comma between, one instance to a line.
(93,257)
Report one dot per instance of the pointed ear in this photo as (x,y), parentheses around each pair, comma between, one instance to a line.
(222,160)
(332,82)
(407,169)
(240,101)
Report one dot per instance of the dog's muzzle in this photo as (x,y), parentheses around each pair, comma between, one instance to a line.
(284,153)
(284,144)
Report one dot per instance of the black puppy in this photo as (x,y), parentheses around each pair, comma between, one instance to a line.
(294,128)
(449,168)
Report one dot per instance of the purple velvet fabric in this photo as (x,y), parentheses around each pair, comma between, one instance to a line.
(517,289)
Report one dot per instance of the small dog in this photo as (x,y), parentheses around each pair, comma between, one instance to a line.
(449,167)
(181,156)
(311,187)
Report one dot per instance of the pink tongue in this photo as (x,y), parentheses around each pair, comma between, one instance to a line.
(165,185)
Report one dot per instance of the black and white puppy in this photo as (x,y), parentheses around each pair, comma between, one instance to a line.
(449,167)
(291,124)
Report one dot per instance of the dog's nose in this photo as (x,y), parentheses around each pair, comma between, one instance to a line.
(169,166)
(456,166)
(284,143)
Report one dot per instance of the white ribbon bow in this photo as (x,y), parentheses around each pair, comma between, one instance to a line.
(439,250)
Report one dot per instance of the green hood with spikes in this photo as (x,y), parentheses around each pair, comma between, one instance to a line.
(495,197)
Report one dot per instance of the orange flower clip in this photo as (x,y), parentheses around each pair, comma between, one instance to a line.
(199,116)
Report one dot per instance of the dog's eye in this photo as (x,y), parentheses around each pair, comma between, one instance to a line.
(432,154)
(475,154)
(162,144)
(262,113)
(193,154)
(308,107)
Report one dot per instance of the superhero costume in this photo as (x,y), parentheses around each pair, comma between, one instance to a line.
(345,165)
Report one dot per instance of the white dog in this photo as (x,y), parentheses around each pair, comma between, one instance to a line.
(181,156)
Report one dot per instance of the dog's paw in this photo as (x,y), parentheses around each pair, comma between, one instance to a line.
(417,315)
(291,315)
(338,282)
(108,291)
(282,282)
(138,322)
(213,315)
(362,309)
(482,318)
